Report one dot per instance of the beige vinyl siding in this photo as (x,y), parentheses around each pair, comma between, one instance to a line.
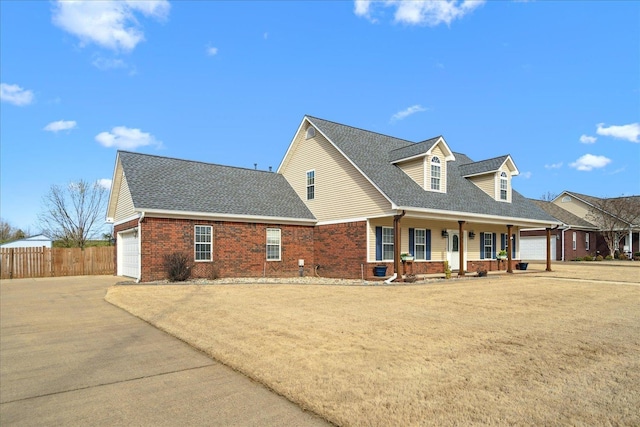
(341,191)
(124,204)
(415,169)
(576,207)
(437,151)
(473,246)
(486,183)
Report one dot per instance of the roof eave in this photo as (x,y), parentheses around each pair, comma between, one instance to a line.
(213,216)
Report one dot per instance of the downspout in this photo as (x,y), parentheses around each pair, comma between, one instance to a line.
(563,230)
(396,246)
(140,247)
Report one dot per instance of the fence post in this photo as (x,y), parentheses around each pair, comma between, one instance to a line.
(10,263)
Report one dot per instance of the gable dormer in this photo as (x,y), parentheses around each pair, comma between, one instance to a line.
(425,163)
(493,176)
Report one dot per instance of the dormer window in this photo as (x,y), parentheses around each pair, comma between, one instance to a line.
(436,169)
(503,186)
(311,132)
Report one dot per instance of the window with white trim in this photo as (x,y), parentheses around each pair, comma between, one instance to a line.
(436,170)
(311,185)
(387,243)
(575,240)
(420,243)
(202,242)
(274,244)
(311,132)
(488,246)
(586,241)
(503,186)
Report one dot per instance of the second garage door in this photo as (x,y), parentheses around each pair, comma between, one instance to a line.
(128,254)
(535,248)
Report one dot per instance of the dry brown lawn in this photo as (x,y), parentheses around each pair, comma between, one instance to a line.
(532,348)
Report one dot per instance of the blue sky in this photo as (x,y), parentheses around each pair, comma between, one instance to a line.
(554,84)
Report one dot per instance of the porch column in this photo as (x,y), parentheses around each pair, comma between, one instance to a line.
(396,245)
(462,267)
(548,249)
(509,244)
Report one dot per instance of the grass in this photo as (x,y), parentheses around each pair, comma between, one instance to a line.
(528,349)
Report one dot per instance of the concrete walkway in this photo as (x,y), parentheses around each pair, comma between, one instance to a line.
(67,357)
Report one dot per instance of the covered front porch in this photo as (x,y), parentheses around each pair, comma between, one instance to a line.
(414,244)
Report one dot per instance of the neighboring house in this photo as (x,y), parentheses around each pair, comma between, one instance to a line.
(343,201)
(30,242)
(575,238)
(583,206)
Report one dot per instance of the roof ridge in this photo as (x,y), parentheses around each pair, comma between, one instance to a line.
(194,161)
(363,130)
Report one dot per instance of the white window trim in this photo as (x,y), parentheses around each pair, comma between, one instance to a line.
(439,163)
(196,243)
(503,177)
(271,244)
(485,246)
(575,240)
(586,241)
(387,244)
(307,186)
(415,243)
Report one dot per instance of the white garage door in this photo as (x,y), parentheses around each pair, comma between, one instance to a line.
(128,258)
(535,248)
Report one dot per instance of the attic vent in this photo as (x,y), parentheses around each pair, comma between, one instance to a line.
(566,199)
(311,132)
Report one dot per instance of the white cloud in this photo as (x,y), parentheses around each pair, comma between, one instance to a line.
(124,138)
(585,139)
(211,51)
(110,23)
(630,132)
(589,162)
(60,125)
(553,166)
(526,175)
(420,12)
(108,63)
(400,115)
(15,95)
(104,183)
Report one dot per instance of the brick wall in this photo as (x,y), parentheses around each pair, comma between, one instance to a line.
(239,249)
(341,250)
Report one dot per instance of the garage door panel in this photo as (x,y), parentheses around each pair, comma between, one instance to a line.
(128,255)
(535,248)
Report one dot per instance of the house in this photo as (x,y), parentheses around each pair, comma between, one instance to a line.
(620,215)
(37,241)
(575,238)
(342,201)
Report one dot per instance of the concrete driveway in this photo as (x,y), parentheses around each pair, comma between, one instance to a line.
(67,357)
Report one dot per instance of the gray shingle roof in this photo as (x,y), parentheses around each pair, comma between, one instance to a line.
(181,185)
(481,167)
(412,150)
(369,151)
(563,215)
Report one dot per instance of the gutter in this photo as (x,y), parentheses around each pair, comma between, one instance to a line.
(563,230)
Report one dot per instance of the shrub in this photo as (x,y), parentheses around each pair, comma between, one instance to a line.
(599,258)
(623,256)
(577,259)
(588,258)
(178,266)
(608,257)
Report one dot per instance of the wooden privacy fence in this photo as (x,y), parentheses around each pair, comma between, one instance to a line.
(18,263)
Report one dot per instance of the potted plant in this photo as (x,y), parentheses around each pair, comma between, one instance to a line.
(502,254)
(447,270)
(406,256)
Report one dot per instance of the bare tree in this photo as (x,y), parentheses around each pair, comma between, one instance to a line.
(615,217)
(8,232)
(75,213)
(548,196)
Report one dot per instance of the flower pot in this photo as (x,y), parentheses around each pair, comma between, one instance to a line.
(523,265)
(380,270)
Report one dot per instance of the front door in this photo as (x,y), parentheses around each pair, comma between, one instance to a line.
(454,250)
